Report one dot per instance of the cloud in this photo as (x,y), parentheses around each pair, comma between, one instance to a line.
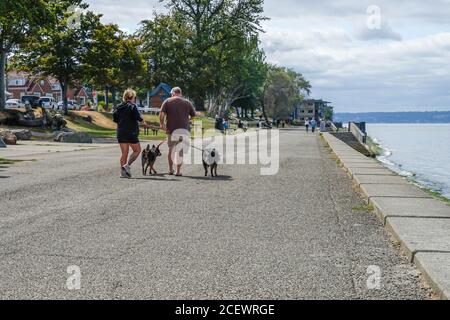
(413,74)
(383,32)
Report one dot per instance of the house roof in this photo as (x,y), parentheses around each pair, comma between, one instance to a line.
(163,86)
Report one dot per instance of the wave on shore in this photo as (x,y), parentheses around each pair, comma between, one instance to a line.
(420,181)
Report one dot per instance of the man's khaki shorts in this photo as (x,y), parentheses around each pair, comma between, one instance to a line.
(173,143)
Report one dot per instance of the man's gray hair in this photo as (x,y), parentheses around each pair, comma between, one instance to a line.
(176,90)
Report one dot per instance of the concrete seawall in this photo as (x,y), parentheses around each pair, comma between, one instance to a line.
(419,222)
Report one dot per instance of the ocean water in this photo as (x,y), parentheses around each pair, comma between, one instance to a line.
(418,151)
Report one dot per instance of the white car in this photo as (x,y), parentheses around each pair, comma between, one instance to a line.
(149,110)
(48,103)
(13,104)
(71,105)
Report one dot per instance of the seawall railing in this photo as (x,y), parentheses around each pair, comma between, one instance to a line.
(356,129)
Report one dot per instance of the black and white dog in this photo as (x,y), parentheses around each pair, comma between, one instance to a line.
(149,156)
(211,159)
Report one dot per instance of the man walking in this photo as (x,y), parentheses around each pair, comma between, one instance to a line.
(176,113)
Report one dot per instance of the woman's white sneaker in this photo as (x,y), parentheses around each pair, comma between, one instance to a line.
(127,170)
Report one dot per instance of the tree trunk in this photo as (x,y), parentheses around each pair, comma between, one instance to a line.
(2,80)
(252,113)
(113,93)
(106,99)
(264,112)
(64,90)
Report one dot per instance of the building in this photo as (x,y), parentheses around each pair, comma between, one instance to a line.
(21,83)
(160,94)
(312,108)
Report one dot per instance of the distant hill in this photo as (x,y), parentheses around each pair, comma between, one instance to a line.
(395,117)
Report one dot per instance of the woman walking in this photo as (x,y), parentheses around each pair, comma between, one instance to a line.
(127,117)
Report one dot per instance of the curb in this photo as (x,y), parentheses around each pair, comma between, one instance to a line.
(419,222)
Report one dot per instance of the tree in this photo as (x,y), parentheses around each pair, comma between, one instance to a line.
(213,23)
(18,19)
(164,47)
(113,60)
(282,90)
(243,72)
(59,49)
(101,63)
(131,63)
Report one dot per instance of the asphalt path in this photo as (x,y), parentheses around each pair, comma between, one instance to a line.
(300,234)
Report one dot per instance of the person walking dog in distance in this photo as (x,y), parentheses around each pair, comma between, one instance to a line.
(176,113)
(127,117)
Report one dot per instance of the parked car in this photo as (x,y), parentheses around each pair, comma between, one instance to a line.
(48,103)
(71,105)
(146,109)
(33,100)
(13,104)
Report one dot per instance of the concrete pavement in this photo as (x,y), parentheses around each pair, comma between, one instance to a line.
(296,235)
(420,223)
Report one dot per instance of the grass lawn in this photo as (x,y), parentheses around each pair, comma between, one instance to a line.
(8,161)
(103,126)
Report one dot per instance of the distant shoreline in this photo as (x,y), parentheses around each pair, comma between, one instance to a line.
(429,117)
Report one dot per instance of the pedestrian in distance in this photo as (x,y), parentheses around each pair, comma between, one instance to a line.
(128,117)
(313,124)
(307,124)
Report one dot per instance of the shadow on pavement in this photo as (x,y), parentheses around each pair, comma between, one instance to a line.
(155,178)
(219,178)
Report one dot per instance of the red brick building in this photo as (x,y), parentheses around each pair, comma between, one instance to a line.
(21,84)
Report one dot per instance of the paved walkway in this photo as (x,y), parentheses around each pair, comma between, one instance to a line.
(295,235)
(418,222)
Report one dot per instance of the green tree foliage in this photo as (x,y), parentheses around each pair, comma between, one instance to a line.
(197,39)
(112,61)
(282,90)
(59,49)
(18,19)
(165,49)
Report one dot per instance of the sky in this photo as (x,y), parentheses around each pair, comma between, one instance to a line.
(363,56)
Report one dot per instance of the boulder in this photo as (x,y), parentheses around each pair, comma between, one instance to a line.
(22,134)
(8,137)
(72,137)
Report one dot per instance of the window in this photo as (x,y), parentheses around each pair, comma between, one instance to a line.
(17,82)
(310,111)
(37,94)
(42,83)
